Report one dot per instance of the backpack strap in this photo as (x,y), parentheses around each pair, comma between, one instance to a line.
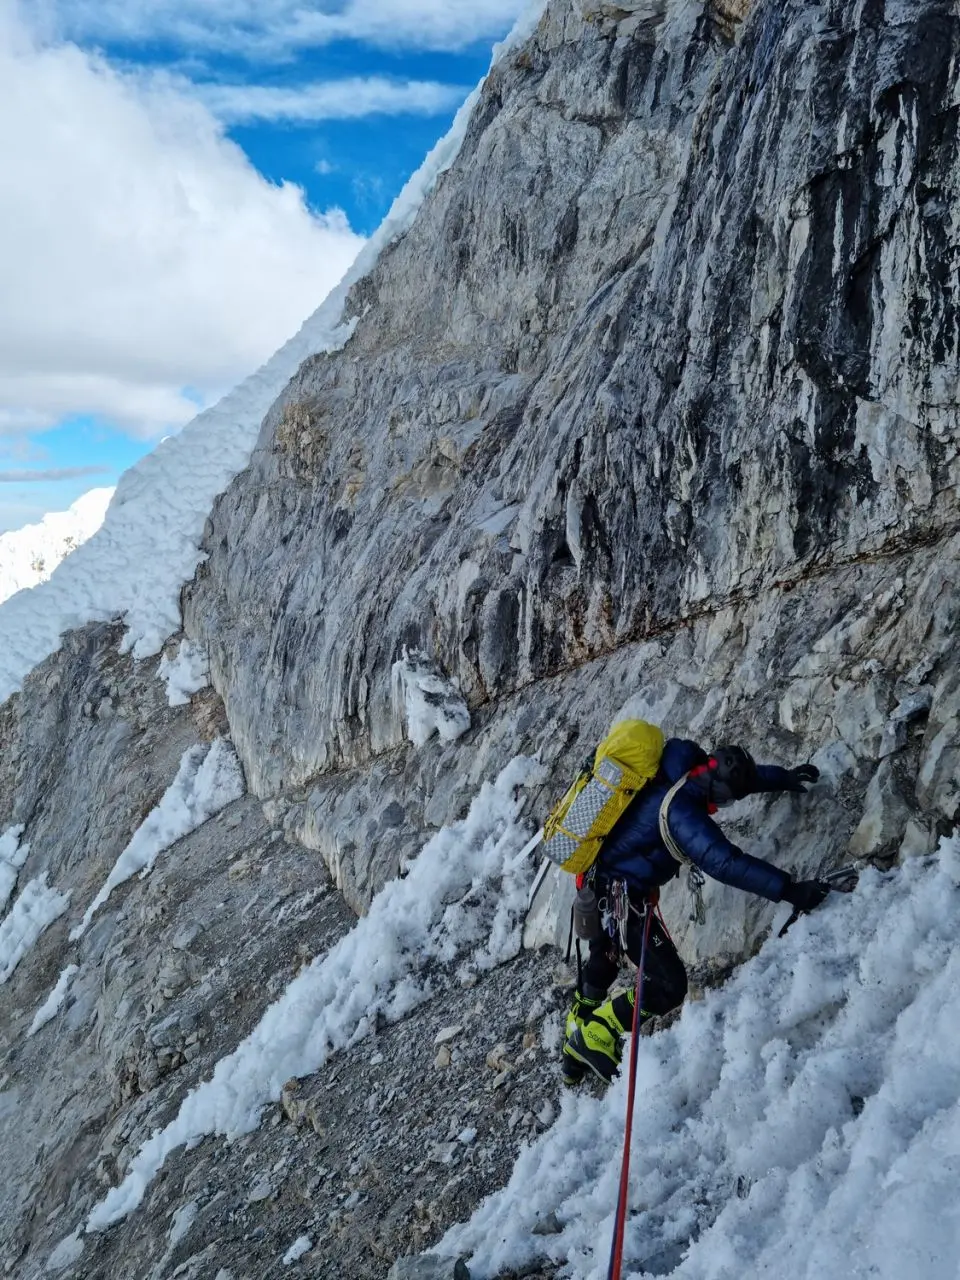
(666,835)
(695,877)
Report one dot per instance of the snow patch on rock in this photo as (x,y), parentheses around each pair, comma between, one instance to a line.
(427,701)
(13,855)
(33,912)
(208,779)
(54,1001)
(300,1246)
(67,1252)
(184,673)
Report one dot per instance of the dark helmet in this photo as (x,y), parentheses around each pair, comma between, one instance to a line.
(733,773)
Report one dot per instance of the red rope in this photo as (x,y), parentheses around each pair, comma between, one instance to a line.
(616,1251)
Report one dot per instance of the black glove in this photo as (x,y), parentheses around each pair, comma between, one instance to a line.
(801,775)
(804,895)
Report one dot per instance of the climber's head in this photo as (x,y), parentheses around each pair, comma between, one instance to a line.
(731,773)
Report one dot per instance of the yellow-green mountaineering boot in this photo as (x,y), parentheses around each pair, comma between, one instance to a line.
(595,1043)
(581,1010)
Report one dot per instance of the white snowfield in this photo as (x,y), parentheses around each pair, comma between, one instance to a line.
(148,546)
(29,555)
(802,1121)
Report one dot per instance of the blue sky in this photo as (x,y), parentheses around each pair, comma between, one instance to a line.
(89,454)
(154,248)
(357,165)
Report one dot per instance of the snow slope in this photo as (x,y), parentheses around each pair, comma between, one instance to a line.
(802,1121)
(30,555)
(147,547)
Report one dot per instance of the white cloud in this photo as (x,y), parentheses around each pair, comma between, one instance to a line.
(249,26)
(348,99)
(143,405)
(46,474)
(140,251)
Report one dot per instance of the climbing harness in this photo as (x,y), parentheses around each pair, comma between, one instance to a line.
(695,877)
(616,1250)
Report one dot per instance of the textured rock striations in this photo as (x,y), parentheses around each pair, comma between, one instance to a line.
(654,409)
(672,348)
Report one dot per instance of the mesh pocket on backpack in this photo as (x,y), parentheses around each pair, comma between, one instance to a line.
(560,847)
(587,807)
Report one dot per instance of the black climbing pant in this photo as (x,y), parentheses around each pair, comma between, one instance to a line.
(665,978)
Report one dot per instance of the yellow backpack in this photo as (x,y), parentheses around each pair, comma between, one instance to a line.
(627,758)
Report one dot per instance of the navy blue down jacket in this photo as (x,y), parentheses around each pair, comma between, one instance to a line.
(635,851)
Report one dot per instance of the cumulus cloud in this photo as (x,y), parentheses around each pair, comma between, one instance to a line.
(348,99)
(140,251)
(284,26)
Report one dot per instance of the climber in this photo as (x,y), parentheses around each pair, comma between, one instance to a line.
(635,860)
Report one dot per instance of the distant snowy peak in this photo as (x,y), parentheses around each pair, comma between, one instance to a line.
(29,555)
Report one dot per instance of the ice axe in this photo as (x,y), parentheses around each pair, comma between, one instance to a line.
(528,851)
(841,880)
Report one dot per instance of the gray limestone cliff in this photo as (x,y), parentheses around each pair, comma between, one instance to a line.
(653,410)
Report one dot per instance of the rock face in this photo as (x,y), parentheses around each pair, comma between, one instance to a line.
(653,411)
(669,357)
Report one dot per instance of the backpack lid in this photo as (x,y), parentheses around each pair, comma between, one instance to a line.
(635,744)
